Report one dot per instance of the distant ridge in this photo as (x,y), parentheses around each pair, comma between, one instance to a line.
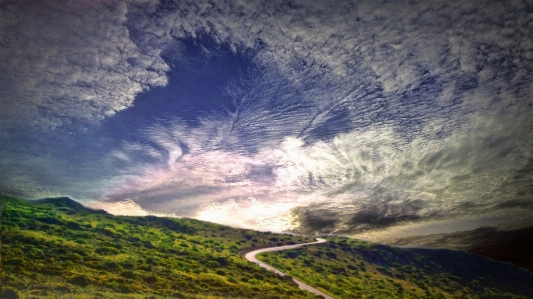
(514,246)
(64,202)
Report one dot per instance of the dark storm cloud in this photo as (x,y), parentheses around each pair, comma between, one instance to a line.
(377,214)
(313,219)
(361,113)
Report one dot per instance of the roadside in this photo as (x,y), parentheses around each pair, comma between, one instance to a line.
(250,256)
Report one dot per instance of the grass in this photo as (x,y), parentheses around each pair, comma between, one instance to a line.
(348,268)
(56,248)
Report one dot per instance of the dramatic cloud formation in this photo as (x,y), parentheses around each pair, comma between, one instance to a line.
(334,117)
(74,59)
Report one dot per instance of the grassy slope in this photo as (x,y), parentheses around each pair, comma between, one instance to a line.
(56,248)
(347,268)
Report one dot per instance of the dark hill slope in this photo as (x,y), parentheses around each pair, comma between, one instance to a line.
(514,246)
(348,268)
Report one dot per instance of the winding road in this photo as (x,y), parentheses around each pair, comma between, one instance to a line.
(251,257)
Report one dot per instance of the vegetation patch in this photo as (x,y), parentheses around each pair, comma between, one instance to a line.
(348,268)
(57,248)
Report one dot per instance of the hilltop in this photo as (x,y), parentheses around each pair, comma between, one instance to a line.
(57,248)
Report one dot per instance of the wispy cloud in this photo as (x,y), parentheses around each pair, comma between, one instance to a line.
(354,114)
(363,179)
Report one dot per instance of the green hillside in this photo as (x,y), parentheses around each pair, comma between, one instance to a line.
(348,268)
(56,248)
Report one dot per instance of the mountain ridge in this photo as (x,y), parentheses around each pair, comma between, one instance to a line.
(513,246)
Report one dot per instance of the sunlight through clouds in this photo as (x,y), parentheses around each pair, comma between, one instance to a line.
(249,213)
(335,117)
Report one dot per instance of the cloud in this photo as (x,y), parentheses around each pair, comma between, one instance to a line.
(126,207)
(339,67)
(355,114)
(61,69)
(469,172)
(400,45)
(379,115)
(194,169)
(63,62)
(88,68)
(365,179)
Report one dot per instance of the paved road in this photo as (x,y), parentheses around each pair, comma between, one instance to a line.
(251,257)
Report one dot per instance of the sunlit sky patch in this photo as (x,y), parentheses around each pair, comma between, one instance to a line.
(340,117)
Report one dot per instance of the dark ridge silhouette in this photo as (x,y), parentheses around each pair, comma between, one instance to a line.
(513,246)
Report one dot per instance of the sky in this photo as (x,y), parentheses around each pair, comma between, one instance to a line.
(342,117)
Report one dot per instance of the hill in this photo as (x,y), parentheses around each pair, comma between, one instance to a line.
(348,268)
(56,248)
(514,246)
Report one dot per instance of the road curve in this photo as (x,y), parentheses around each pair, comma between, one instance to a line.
(251,257)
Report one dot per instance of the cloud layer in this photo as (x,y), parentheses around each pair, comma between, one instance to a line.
(74,60)
(322,116)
